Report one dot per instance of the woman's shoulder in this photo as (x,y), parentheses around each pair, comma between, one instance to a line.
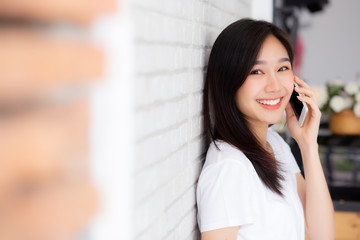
(222,154)
(220,150)
(275,139)
(226,163)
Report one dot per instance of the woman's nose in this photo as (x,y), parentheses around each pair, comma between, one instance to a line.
(272,84)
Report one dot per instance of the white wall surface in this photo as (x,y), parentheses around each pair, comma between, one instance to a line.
(262,10)
(147,137)
(112,128)
(332,43)
(173,41)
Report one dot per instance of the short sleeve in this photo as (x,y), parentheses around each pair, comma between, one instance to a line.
(293,166)
(284,150)
(224,196)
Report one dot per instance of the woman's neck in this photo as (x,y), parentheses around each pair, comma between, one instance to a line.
(260,131)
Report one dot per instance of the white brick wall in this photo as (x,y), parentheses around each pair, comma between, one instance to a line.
(173,41)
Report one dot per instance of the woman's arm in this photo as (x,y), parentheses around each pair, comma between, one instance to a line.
(313,192)
(229,233)
(316,200)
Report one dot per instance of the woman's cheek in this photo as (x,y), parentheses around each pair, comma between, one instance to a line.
(288,82)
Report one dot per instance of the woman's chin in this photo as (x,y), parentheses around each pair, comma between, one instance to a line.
(275,120)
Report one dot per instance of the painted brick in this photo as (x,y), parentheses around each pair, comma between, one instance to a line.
(158,174)
(196,127)
(179,9)
(215,16)
(199,11)
(196,148)
(163,58)
(173,42)
(212,34)
(195,234)
(160,146)
(199,34)
(181,84)
(185,226)
(149,5)
(196,104)
(162,87)
(186,9)
(156,27)
(161,116)
(147,212)
(198,76)
(180,209)
(143,148)
(234,8)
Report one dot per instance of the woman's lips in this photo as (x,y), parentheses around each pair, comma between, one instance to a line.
(270,104)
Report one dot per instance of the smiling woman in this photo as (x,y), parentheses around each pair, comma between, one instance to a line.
(270,84)
(250,186)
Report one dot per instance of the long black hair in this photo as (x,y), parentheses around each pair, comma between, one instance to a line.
(232,57)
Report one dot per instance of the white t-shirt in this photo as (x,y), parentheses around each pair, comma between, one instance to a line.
(230,193)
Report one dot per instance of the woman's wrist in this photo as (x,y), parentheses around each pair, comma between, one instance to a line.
(309,148)
(305,142)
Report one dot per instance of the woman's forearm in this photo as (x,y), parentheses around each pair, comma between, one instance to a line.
(319,211)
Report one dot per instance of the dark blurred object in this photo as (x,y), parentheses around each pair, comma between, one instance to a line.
(312,5)
(340,156)
(286,14)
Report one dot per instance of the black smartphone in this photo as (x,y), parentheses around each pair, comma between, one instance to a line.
(300,108)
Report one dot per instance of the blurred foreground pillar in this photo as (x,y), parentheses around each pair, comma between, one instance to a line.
(46,190)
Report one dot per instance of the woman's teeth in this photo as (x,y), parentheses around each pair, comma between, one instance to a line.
(269,102)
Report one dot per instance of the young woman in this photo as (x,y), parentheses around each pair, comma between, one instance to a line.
(250,186)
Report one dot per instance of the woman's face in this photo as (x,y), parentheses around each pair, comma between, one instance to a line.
(266,91)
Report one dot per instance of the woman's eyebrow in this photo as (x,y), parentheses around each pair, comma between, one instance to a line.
(262,62)
(284,59)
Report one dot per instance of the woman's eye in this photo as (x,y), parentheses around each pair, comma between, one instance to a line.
(256,72)
(283,69)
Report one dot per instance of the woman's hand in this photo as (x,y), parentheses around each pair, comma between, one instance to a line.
(306,135)
(313,191)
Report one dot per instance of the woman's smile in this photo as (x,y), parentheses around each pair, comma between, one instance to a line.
(270,104)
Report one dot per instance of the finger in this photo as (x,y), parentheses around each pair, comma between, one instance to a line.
(305,91)
(314,109)
(314,115)
(301,82)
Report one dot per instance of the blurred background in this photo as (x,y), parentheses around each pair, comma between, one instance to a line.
(325,37)
(100,111)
